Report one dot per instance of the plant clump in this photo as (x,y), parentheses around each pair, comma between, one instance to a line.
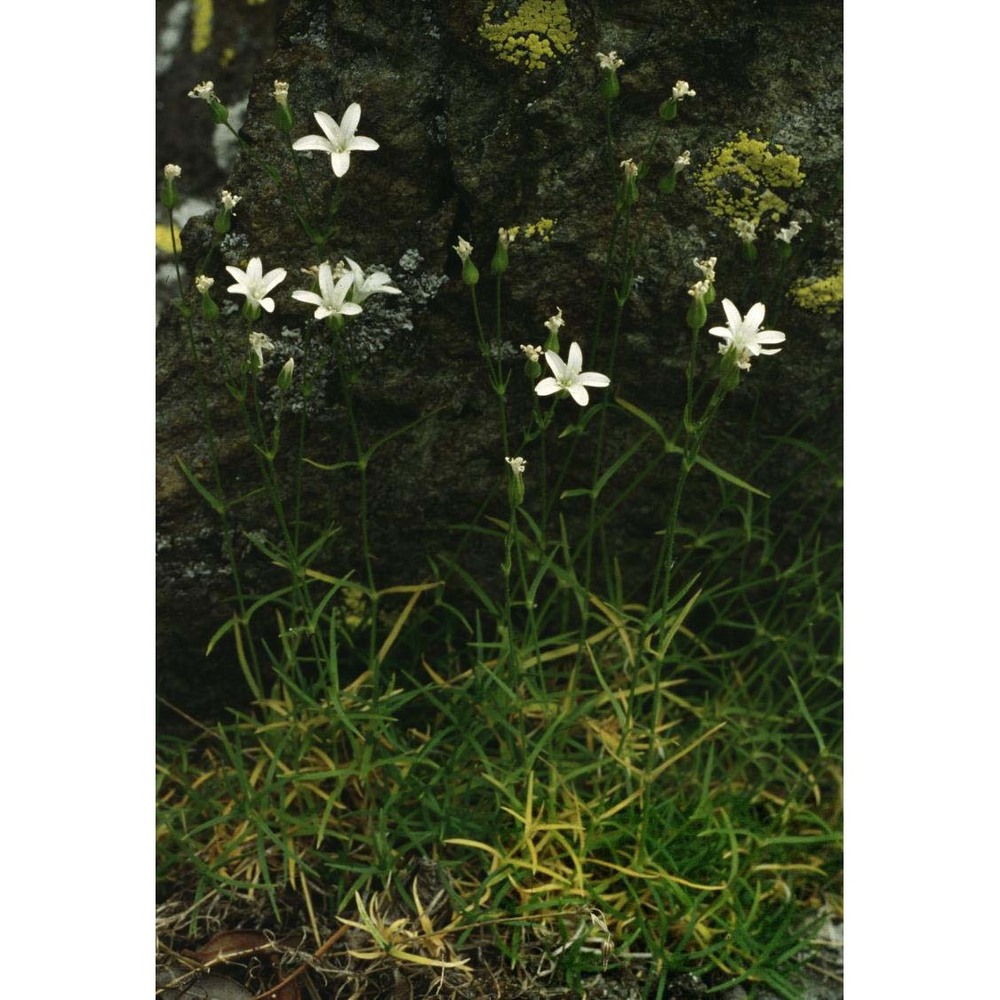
(741,180)
(822,295)
(531,34)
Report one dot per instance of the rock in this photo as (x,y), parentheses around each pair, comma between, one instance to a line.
(468,143)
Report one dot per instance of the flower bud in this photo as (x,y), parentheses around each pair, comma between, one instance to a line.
(470,273)
(697,314)
(169,196)
(610,64)
(668,110)
(499,263)
(516,485)
(285,375)
(282,113)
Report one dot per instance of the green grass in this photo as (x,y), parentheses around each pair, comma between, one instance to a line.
(708,843)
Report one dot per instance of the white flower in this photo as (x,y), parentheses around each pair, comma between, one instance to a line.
(463,248)
(745,335)
(171,171)
(745,229)
(610,61)
(554,323)
(203,283)
(682,161)
(229,199)
(206,90)
(681,89)
(793,229)
(259,343)
(281,92)
(531,353)
(254,284)
(332,295)
(630,168)
(517,465)
(566,376)
(700,288)
(377,281)
(506,236)
(340,140)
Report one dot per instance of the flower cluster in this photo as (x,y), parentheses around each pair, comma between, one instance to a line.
(341,290)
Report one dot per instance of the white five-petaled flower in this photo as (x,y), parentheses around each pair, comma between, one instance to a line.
(610,61)
(745,335)
(681,89)
(229,199)
(377,281)
(338,140)
(171,172)
(206,90)
(566,376)
(259,343)
(517,465)
(531,353)
(254,284)
(331,300)
(463,248)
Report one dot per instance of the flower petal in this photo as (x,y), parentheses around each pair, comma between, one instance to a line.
(755,316)
(254,271)
(350,309)
(326,287)
(349,123)
(579,394)
(721,331)
(340,290)
(547,386)
(272,278)
(311,297)
(359,274)
(770,337)
(340,161)
(330,128)
(732,315)
(556,365)
(312,142)
(237,273)
(574,361)
(362,142)
(595,379)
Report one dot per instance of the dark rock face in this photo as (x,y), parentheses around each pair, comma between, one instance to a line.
(469,143)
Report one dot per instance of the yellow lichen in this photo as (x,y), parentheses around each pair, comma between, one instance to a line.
(542,230)
(530,33)
(163,243)
(740,178)
(825,295)
(201,25)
